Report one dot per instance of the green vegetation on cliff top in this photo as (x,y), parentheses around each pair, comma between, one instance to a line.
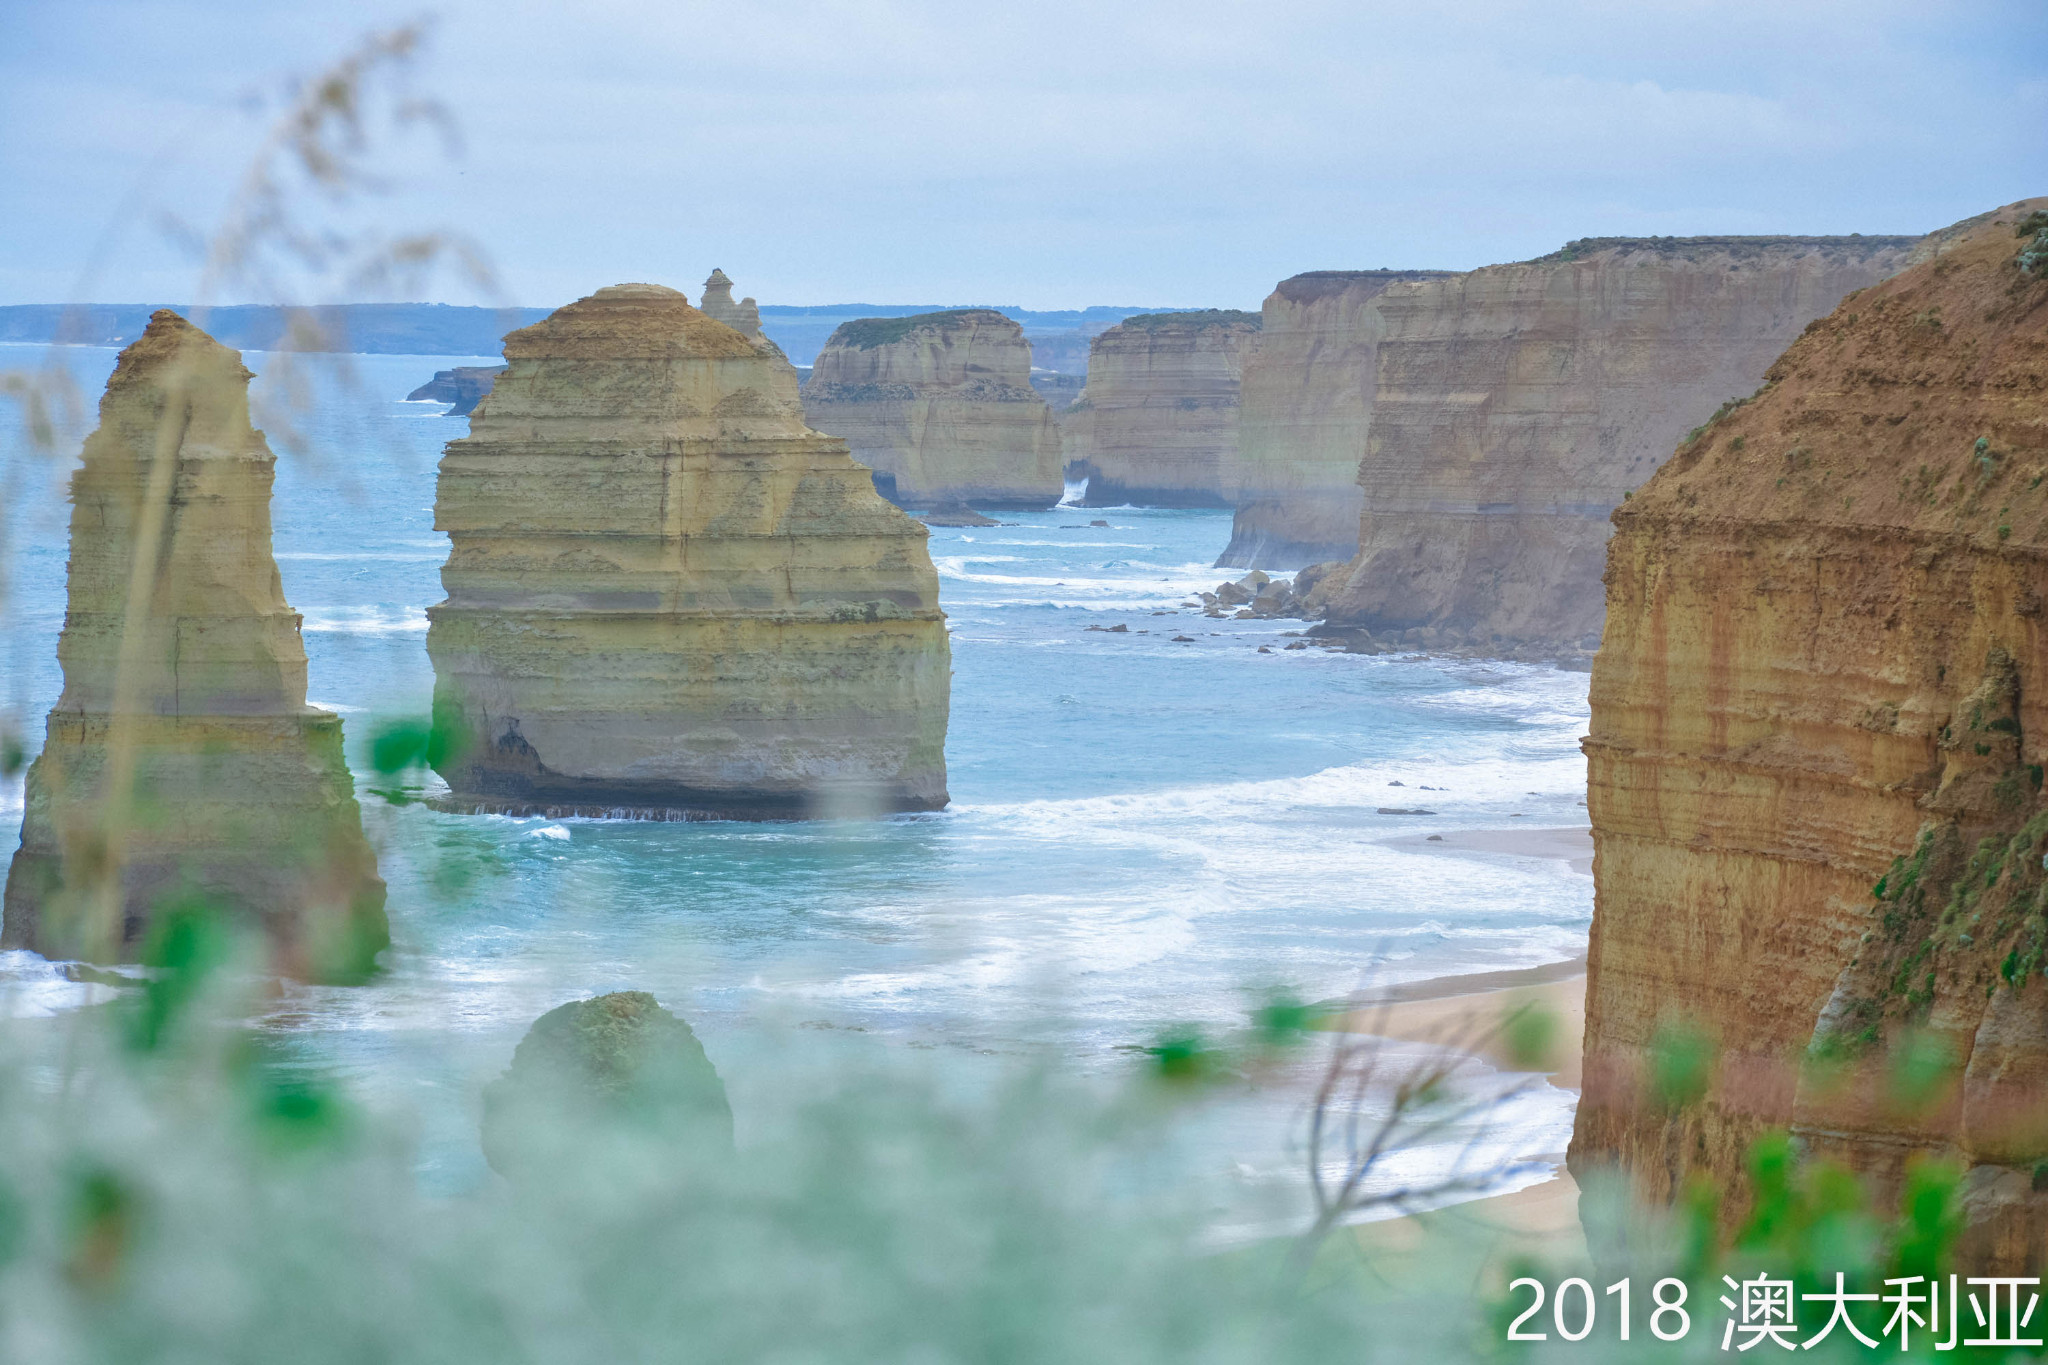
(1198,318)
(864,334)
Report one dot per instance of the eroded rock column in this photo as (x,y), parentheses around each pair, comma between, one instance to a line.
(182,764)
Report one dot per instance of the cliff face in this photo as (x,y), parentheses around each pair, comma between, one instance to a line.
(1516,404)
(667,595)
(1824,672)
(1307,404)
(1157,424)
(238,793)
(940,406)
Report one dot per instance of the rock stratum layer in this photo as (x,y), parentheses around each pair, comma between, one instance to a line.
(1157,424)
(1824,672)
(1306,406)
(236,792)
(1515,405)
(668,596)
(941,407)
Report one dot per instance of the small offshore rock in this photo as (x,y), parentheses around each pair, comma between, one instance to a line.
(617,1068)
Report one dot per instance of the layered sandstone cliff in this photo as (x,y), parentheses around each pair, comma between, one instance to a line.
(182,764)
(940,406)
(667,595)
(1515,405)
(1157,424)
(1306,406)
(1820,715)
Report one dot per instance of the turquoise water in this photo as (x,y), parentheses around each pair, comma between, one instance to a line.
(1144,834)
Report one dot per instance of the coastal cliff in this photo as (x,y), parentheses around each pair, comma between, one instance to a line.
(182,763)
(667,596)
(1818,731)
(462,387)
(1515,405)
(941,407)
(1307,403)
(1157,425)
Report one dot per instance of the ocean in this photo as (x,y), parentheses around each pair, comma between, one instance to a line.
(1147,837)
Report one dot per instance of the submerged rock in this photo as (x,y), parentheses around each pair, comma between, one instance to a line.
(236,794)
(1157,424)
(668,597)
(613,1078)
(941,407)
(1814,768)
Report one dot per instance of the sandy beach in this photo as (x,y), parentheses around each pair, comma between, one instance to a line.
(1542,1218)
(1568,844)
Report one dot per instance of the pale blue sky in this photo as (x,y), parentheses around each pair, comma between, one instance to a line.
(1048,155)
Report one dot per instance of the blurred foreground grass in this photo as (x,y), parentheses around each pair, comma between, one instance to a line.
(170,1190)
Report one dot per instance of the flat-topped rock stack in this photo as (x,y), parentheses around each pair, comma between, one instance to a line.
(1306,404)
(182,765)
(669,597)
(1514,406)
(941,407)
(1157,425)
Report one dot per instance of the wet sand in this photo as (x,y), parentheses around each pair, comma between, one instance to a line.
(1571,844)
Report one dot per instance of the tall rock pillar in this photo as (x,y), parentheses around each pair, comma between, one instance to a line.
(182,763)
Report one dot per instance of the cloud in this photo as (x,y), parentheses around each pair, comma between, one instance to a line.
(1063,153)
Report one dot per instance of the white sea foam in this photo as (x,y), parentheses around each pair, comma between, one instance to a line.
(366,621)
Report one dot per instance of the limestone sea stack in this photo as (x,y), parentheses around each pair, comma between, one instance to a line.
(667,596)
(940,406)
(182,765)
(1157,424)
(1307,402)
(1819,723)
(743,317)
(1515,406)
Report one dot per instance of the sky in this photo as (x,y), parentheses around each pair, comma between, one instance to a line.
(1051,155)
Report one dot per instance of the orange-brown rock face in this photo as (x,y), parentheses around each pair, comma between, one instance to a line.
(1307,404)
(183,763)
(1157,424)
(940,406)
(1515,405)
(1824,671)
